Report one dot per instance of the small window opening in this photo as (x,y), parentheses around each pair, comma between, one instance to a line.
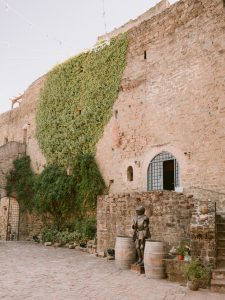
(116,113)
(6,140)
(24,135)
(145,53)
(223,3)
(130,174)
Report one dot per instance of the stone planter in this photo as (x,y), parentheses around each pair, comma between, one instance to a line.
(175,270)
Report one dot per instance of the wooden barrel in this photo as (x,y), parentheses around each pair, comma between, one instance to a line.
(154,254)
(125,252)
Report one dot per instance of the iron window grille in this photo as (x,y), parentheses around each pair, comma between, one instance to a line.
(155,171)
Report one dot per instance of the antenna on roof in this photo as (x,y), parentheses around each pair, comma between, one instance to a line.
(103,14)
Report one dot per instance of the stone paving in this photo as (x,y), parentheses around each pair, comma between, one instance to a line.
(33,271)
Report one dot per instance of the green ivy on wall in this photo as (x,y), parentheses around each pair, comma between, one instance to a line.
(76,102)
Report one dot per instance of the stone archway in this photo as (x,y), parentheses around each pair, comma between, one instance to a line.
(9,219)
(163,172)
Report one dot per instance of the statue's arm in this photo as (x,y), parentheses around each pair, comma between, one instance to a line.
(134,227)
(146,227)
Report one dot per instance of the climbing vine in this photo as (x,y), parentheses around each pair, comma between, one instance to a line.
(76,101)
(74,106)
(21,183)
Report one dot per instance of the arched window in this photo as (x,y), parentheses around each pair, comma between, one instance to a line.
(163,172)
(130,173)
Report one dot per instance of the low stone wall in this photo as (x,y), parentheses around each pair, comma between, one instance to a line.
(173,217)
(211,196)
(169,212)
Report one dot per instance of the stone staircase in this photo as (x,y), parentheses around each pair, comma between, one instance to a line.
(218,274)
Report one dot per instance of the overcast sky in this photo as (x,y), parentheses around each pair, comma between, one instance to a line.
(37,34)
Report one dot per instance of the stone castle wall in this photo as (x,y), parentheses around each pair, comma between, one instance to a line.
(17,137)
(157,9)
(19,125)
(174,100)
(8,153)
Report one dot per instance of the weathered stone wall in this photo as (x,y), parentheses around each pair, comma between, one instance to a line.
(29,225)
(174,100)
(203,231)
(173,217)
(8,153)
(19,125)
(4,204)
(208,195)
(158,8)
(169,213)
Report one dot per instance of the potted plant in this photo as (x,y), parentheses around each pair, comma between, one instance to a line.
(197,274)
(182,250)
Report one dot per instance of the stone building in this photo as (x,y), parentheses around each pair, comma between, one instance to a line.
(167,131)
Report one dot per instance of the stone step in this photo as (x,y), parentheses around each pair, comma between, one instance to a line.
(220,217)
(220,226)
(220,262)
(218,273)
(220,242)
(220,235)
(218,285)
(221,251)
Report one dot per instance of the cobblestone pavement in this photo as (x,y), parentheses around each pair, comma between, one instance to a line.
(32,271)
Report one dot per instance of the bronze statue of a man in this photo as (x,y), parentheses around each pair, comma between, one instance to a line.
(141,233)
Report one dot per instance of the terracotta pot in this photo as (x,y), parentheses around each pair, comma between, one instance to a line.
(180,257)
(193,285)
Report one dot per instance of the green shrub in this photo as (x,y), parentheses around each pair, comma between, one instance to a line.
(51,234)
(48,234)
(197,272)
(87,227)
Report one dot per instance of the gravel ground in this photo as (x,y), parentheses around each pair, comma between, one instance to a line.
(33,271)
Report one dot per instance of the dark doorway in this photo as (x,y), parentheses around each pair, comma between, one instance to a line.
(168,175)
